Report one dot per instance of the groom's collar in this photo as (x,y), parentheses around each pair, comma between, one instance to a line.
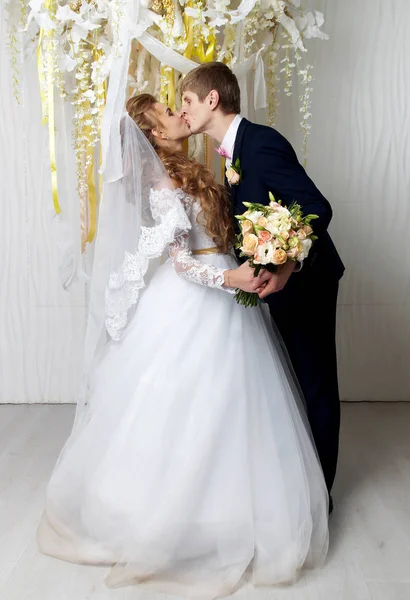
(228,143)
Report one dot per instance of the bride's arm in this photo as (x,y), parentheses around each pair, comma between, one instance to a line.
(193,270)
(166,202)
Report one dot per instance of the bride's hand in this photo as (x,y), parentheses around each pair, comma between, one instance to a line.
(243,278)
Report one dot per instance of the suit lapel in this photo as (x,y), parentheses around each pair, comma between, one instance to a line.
(237,153)
(239,139)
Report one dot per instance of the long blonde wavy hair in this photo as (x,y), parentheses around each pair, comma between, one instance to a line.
(194,178)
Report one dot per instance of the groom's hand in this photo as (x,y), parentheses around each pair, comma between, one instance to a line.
(244,278)
(275,282)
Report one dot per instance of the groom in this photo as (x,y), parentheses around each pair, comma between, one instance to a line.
(303,303)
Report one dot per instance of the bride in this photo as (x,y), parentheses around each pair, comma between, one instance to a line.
(190,468)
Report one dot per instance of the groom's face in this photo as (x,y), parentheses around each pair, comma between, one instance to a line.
(197,114)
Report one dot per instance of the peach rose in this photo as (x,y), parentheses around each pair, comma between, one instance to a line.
(264,236)
(308,230)
(279,257)
(262,221)
(301,234)
(293,253)
(247,226)
(250,244)
(232,176)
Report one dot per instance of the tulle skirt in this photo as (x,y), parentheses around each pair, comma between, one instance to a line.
(196,469)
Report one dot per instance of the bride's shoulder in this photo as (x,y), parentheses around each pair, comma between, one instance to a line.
(167,196)
(169,199)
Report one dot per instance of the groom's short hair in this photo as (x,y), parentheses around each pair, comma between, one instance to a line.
(215,76)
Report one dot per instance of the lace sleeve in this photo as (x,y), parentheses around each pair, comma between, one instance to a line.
(170,219)
(194,270)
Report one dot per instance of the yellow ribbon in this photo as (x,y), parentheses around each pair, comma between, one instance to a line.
(206,251)
(208,54)
(41,78)
(189,32)
(52,141)
(198,51)
(171,90)
(168,91)
(93,197)
(47,105)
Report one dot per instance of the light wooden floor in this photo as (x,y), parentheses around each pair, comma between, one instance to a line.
(370,529)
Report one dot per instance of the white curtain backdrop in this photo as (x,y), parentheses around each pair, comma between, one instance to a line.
(359,156)
(41,325)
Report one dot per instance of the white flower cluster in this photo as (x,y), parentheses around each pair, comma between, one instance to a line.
(274,234)
(79,39)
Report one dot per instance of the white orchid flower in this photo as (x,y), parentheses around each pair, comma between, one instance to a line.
(67,63)
(193,12)
(80,31)
(243,10)
(65,14)
(39,14)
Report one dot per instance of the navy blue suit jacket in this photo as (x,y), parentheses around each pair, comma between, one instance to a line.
(269,164)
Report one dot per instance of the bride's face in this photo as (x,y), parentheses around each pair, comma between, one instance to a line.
(172,125)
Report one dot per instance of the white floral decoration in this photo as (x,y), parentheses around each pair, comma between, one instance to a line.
(79,40)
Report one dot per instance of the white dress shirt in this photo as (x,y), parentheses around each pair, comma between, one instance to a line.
(228,143)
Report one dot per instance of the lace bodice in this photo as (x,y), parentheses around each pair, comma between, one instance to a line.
(198,236)
(177,229)
(181,248)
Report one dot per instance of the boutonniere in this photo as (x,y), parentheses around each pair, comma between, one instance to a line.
(234,173)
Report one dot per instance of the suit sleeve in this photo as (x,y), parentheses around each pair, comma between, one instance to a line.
(285,177)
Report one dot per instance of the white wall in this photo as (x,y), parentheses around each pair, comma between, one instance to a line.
(359,157)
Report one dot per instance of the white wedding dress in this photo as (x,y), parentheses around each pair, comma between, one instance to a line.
(195,470)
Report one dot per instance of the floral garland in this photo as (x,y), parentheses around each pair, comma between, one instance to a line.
(77,41)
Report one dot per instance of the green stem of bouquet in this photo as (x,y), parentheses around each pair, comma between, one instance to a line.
(247,299)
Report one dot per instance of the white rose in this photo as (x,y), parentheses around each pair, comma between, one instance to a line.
(281,210)
(272,228)
(306,246)
(255,216)
(264,253)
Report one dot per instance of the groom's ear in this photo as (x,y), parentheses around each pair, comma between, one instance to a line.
(213,99)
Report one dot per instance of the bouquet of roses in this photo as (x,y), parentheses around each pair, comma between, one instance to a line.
(270,236)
